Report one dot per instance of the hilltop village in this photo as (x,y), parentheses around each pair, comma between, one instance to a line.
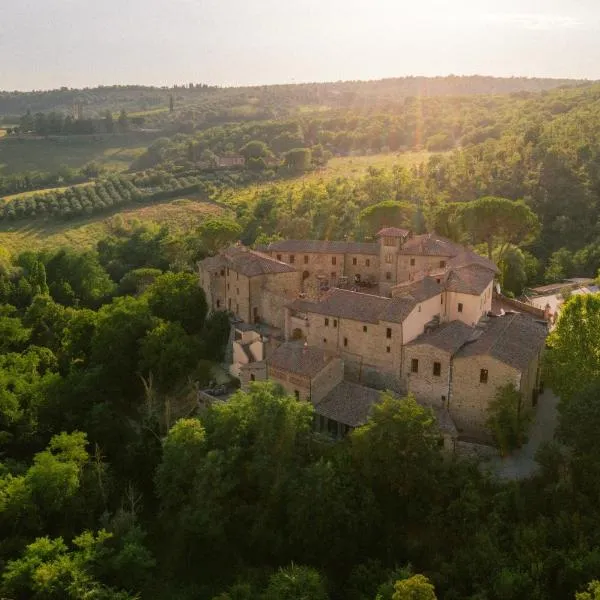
(335,322)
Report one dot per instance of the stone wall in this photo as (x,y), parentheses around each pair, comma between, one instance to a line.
(427,387)
(291,382)
(331,375)
(469,398)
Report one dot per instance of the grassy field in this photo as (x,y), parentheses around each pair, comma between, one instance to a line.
(356,166)
(182,214)
(114,153)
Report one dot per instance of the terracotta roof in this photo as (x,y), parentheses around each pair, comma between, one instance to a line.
(449,337)
(393,232)
(420,290)
(431,244)
(299,359)
(468,258)
(513,339)
(251,263)
(213,263)
(348,403)
(367,308)
(345,304)
(323,247)
(473,279)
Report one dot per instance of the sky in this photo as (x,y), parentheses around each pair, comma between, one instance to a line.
(45,44)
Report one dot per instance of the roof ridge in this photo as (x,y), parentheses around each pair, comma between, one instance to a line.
(501,335)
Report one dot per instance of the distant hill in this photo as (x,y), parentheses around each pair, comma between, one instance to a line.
(152,100)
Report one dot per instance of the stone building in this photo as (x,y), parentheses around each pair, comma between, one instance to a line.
(407,313)
(249,284)
(317,376)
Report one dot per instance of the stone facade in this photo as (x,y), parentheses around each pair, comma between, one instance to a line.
(427,372)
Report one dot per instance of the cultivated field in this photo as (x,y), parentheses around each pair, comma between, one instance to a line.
(182,214)
(113,152)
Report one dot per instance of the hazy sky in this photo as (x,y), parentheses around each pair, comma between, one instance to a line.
(50,43)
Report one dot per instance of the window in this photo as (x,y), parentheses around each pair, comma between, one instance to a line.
(388,349)
(345,342)
(218,304)
(419,308)
(414,365)
(279,257)
(388,275)
(437,369)
(354,261)
(441,299)
(222,272)
(305,259)
(443,398)
(412,262)
(335,323)
(292,259)
(389,241)
(252,377)
(389,259)
(326,322)
(388,333)
(228,287)
(442,264)
(237,276)
(365,328)
(237,309)
(297,394)
(333,260)
(324,340)
(460,307)
(368,262)
(229,303)
(483,376)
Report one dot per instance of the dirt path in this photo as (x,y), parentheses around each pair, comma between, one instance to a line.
(522,464)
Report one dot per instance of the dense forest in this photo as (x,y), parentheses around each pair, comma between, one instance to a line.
(116,483)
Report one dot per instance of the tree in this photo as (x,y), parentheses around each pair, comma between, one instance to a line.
(298,159)
(217,233)
(178,297)
(168,353)
(255,149)
(109,123)
(508,418)
(499,222)
(592,592)
(416,587)
(171,103)
(572,360)
(388,213)
(123,121)
(296,583)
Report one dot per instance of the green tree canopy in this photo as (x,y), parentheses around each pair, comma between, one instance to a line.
(499,222)
(388,213)
(572,360)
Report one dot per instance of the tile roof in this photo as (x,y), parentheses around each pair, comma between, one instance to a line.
(449,337)
(296,358)
(323,246)
(420,290)
(247,262)
(368,308)
(393,232)
(513,339)
(431,244)
(472,279)
(468,258)
(345,304)
(348,403)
